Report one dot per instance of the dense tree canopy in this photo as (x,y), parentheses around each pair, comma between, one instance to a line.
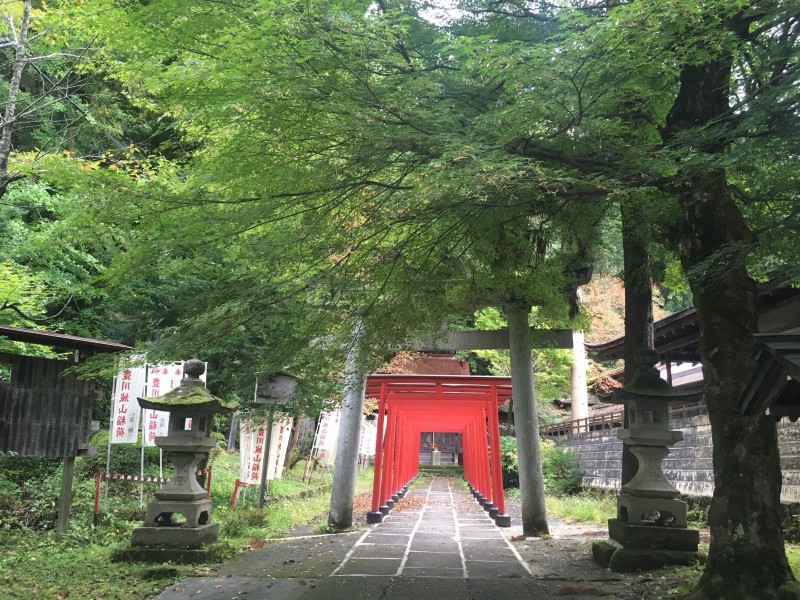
(247,180)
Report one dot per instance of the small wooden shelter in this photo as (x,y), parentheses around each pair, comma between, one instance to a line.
(45,411)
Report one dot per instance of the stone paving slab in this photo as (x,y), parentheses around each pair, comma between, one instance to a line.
(433,572)
(424,588)
(346,588)
(370,566)
(379,551)
(235,588)
(434,560)
(314,556)
(438,550)
(495,554)
(435,546)
(505,589)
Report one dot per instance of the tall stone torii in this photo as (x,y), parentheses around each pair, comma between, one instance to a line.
(345,468)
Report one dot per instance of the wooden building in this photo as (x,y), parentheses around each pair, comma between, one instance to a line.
(45,411)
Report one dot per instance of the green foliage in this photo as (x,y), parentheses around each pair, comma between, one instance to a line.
(592,506)
(560,469)
(509,461)
(562,475)
(125,458)
(34,562)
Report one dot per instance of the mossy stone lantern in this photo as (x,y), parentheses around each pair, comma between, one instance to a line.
(186,449)
(650,528)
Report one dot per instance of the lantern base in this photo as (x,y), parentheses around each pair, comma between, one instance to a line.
(175,537)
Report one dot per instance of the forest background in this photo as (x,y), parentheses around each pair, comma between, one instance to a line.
(254,182)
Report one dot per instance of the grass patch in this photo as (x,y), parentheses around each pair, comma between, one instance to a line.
(34,563)
(589,507)
(592,507)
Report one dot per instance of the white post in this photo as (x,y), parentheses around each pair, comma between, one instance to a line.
(580,396)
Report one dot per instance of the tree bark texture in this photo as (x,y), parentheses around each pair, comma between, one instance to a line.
(638,306)
(345,470)
(531,482)
(298,420)
(20,62)
(746,556)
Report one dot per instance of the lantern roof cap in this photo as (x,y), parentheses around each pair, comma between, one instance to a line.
(191,394)
(647,384)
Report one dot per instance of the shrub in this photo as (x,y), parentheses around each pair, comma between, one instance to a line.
(125,458)
(560,469)
(509,460)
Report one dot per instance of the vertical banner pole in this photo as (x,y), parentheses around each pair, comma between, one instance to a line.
(110,429)
(265,461)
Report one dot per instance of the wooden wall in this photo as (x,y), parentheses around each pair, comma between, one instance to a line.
(44,412)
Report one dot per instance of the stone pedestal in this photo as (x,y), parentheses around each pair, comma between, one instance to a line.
(185,449)
(650,528)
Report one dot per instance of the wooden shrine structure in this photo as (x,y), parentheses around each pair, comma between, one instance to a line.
(409,405)
(45,411)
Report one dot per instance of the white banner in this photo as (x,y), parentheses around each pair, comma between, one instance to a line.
(369,435)
(146,381)
(253,438)
(129,386)
(328,436)
(281,432)
(160,380)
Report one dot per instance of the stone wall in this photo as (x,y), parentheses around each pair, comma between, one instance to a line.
(689,464)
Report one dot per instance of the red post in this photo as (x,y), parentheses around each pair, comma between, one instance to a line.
(376,478)
(497,463)
(235,494)
(386,478)
(98,478)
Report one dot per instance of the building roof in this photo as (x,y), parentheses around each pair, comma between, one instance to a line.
(60,340)
(774,388)
(678,335)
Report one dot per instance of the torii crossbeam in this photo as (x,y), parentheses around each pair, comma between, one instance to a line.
(411,404)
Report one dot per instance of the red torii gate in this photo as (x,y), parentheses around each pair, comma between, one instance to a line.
(411,404)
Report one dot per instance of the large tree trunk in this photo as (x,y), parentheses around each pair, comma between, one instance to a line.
(638,307)
(345,470)
(531,482)
(746,557)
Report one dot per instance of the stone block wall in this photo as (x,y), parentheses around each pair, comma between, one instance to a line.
(689,464)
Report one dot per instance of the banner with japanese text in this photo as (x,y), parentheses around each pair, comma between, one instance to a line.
(160,380)
(328,436)
(369,435)
(129,386)
(252,441)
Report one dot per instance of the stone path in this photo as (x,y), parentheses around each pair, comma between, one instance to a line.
(437,543)
(438,539)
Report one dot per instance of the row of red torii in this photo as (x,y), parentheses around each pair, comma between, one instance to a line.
(411,404)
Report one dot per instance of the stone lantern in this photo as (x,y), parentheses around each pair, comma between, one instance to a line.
(650,528)
(186,449)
